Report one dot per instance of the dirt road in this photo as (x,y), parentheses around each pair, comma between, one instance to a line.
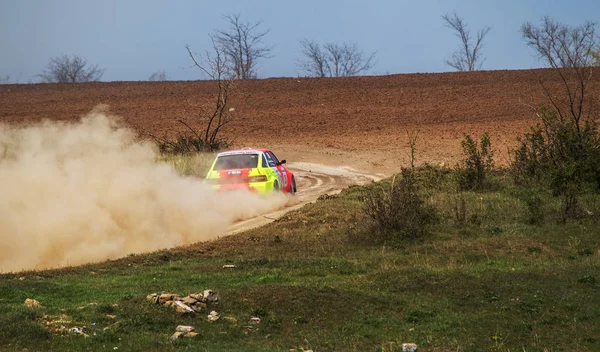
(313,180)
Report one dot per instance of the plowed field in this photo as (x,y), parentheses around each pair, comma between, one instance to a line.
(363,122)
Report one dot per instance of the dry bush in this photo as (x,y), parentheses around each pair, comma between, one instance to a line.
(398,212)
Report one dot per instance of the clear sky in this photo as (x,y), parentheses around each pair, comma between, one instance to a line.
(131,39)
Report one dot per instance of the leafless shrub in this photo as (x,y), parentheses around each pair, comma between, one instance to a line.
(334,59)
(468,56)
(70,69)
(196,139)
(241,44)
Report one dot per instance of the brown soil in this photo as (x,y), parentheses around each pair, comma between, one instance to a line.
(363,122)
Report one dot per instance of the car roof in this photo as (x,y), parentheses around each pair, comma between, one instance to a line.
(243,151)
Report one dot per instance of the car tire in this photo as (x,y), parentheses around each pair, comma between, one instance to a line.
(275,186)
(293,186)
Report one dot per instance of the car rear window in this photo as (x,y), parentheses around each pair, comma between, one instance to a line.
(237,161)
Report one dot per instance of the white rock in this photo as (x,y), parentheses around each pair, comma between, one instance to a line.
(409,347)
(213,316)
(181,307)
(177,335)
(185,328)
(32,302)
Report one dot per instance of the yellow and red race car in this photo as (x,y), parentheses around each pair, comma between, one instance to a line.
(257,170)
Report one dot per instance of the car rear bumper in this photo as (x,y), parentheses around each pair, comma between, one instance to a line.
(258,187)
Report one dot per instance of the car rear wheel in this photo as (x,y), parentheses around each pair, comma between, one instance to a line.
(293,186)
(275,186)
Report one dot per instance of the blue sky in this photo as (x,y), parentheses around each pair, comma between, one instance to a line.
(131,39)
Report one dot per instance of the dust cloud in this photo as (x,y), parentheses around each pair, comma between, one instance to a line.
(74,193)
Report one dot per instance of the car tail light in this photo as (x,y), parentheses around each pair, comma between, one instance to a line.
(261,178)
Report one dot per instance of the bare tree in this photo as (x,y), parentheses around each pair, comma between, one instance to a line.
(218,67)
(158,76)
(468,56)
(334,59)
(5,79)
(570,51)
(315,63)
(242,44)
(562,45)
(70,69)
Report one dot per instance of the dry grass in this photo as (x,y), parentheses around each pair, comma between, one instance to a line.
(190,164)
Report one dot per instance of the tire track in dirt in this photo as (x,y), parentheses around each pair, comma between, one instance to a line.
(313,180)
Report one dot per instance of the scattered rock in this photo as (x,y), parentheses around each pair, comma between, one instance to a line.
(210,296)
(22,278)
(185,328)
(177,335)
(78,331)
(213,316)
(111,316)
(198,307)
(32,303)
(206,293)
(165,297)
(409,347)
(189,300)
(151,297)
(229,266)
(196,296)
(181,307)
(192,303)
(184,331)
(255,320)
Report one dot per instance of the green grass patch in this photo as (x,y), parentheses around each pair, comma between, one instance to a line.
(485,278)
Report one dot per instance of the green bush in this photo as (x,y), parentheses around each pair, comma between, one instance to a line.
(477,164)
(398,212)
(563,155)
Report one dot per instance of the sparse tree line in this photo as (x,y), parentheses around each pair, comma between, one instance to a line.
(561,154)
(241,46)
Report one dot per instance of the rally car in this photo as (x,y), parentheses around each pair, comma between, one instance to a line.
(257,170)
